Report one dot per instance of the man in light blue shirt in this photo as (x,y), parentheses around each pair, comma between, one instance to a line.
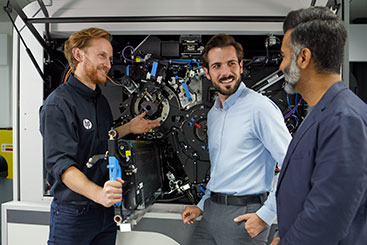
(247,137)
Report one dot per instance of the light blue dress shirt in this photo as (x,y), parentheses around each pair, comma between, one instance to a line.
(247,137)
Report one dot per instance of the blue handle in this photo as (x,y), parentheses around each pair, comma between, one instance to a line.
(187,92)
(114,171)
(154,69)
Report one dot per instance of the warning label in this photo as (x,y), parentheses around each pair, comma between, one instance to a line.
(6,147)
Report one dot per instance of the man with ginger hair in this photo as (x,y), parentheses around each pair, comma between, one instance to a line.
(74,122)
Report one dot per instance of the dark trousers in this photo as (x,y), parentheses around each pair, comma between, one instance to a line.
(79,225)
(217,226)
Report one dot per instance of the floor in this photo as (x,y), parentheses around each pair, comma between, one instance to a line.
(6,193)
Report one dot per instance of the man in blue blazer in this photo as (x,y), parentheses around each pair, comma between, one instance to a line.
(322,187)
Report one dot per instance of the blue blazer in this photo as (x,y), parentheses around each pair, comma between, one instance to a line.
(322,187)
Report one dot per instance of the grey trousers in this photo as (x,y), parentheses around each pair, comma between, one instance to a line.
(217,226)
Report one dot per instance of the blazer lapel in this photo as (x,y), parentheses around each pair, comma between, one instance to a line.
(319,108)
(296,139)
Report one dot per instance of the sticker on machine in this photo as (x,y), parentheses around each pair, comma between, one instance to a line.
(6,147)
(87,124)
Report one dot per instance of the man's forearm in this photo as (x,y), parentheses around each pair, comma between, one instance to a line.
(123,130)
(75,180)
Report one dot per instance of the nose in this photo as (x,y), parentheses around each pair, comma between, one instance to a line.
(226,70)
(107,64)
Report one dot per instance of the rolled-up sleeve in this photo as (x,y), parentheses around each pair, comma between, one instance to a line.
(59,139)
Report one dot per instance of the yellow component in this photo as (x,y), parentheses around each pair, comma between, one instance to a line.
(128,153)
(150,130)
(6,150)
(138,60)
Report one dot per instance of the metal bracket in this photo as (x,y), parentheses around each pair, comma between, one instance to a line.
(13,4)
(268,81)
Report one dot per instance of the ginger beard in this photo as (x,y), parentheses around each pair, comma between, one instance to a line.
(96,74)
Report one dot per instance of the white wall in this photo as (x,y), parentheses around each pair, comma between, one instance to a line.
(5,75)
(358,43)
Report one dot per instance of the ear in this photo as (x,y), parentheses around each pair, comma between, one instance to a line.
(78,54)
(207,73)
(304,58)
(241,66)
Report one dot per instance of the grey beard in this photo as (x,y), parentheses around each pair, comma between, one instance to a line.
(291,77)
(292,73)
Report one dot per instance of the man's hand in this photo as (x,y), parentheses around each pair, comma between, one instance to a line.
(275,241)
(111,193)
(190,214)
(139,125)
(254,224)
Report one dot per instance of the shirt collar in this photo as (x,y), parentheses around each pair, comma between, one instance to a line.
(82,88)
(231,99)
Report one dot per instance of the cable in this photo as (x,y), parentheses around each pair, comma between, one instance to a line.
(172,199)
(123,53)
(295,102)
(289,104)
(6,9)
(197,62)
(202,188)
(67,75)
(113,82)
(188,64)
(176,62)
(137,47)
(293,126)
(293,110)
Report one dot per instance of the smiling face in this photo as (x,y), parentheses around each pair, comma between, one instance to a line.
(224,71)
(94,62)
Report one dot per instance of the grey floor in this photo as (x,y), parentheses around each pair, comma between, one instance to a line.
(6,193)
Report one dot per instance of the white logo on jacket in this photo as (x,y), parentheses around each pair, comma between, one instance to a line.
(87,124)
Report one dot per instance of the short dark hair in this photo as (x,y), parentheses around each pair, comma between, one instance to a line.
(80,39)
(321,31)
(220,41)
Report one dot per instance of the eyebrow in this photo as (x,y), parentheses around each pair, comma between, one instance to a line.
(233,61)
(105,53)
(216,63)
